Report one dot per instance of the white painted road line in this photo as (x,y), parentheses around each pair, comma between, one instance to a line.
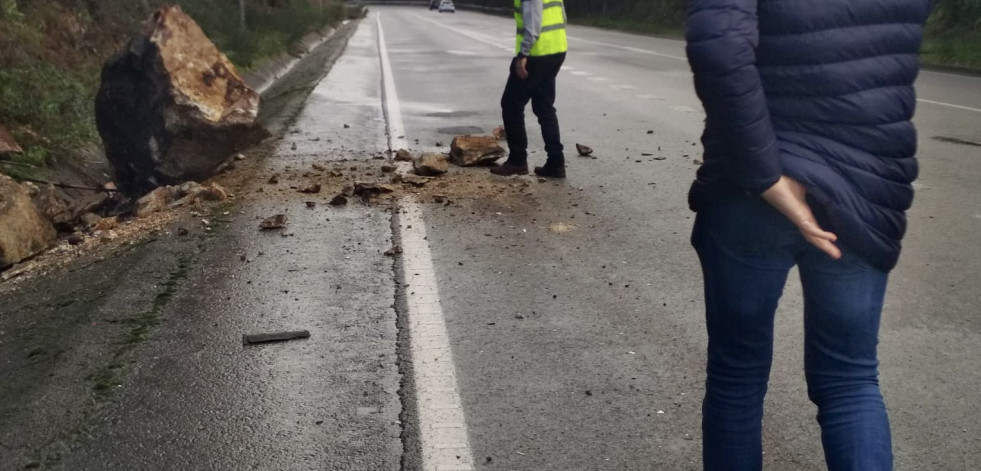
(475,37)
(629,48)
(390,99)
(940,103)
(442,423)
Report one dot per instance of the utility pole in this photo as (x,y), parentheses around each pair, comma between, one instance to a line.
(241,14)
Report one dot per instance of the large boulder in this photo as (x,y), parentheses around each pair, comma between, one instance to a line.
(7,143)
(23,231)
(475,150)
(172,107)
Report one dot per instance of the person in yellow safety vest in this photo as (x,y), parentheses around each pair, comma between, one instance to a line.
(540,50)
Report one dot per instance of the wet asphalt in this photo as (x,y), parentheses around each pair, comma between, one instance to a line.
(573,313)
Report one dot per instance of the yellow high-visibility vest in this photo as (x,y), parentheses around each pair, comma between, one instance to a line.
(553,39)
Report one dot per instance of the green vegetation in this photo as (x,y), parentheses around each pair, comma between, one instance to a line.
(52,51)
(953,35)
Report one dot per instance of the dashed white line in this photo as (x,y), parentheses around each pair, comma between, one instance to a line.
(393,111)
(947,74)
(468,34)
(442,423)
(951,105)
(629,48)
(684,109)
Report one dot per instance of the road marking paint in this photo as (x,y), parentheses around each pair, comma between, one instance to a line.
(598,79)
(468,34)
(684,109)
(442,423)
(623,87)
(948,74)
(629,48)
(390,99)
(651,97)
(580,73)
(940,103)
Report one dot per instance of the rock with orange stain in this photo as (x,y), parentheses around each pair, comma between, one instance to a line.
(172,108)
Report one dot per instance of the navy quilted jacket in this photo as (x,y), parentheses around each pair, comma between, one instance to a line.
(818,90)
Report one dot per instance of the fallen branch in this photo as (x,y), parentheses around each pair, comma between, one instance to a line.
(72,187)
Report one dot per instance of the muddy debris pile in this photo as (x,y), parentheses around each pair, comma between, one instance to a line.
(167,197)
(172,108)
(345,182)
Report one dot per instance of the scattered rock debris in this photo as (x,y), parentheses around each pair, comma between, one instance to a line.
(396,250)
(431,165)
(312,188)
(339,200)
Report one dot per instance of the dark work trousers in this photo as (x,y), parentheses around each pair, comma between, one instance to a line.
(539,88)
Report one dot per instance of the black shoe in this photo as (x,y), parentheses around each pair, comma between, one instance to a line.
(507,170)
(551,171)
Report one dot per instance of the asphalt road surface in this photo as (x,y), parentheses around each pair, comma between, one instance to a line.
(556,327)
(583,348)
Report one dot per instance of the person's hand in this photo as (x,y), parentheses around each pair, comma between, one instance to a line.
(521,67)
(788,196)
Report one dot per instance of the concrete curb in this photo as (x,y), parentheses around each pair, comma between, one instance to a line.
(261,77)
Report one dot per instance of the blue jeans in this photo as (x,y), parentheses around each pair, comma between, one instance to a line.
(747,249)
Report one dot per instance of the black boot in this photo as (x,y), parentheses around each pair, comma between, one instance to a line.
(551,170)
(507,170)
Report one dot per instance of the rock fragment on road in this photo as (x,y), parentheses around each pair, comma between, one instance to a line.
(277,221)
(370,190)
(311,188)
(431,165)
(500,134)
(403,155)
(584,151)
(467,151)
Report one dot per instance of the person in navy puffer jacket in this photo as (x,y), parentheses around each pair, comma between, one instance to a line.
(809,161)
